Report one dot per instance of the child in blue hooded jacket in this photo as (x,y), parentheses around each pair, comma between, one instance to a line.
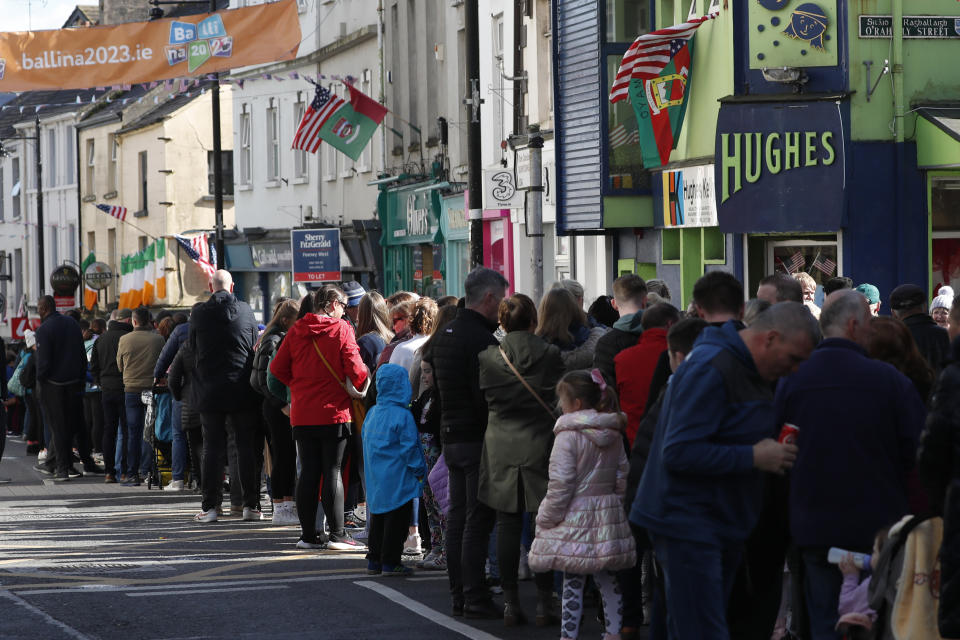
(394,468)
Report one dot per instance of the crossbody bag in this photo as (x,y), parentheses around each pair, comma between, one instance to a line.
(526,385)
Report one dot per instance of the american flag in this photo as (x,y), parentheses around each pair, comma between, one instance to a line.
(650,53)
(120,213)
(826,266)
(797,261)
(620,137)
(198,248)
(324,105)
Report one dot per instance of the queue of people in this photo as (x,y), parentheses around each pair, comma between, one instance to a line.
(714,473)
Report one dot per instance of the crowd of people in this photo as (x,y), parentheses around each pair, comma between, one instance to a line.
(784,467)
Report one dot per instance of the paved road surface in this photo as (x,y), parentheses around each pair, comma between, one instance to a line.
(85,560)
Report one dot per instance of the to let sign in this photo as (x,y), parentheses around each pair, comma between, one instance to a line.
(316,255)
(917,27)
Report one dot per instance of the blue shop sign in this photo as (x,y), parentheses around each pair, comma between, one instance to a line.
(316,255)
(780,167)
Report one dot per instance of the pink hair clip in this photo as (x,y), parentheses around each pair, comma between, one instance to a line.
(597,377)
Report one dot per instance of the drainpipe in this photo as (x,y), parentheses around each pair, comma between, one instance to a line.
(898,115)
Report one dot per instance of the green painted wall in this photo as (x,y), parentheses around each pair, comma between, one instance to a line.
(934,147)
(930,69)
(620,211)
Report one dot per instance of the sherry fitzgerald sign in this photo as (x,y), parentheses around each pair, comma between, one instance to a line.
(780,167)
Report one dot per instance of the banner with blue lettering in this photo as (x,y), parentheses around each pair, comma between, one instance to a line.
(781,167)
(316,255)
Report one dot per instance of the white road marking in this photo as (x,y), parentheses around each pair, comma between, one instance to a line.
(100,588)
(426,612)
(180,591)
(65,628)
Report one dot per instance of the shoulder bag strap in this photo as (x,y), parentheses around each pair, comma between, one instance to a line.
(527,384)
(329,368)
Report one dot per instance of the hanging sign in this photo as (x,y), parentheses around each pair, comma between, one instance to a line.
(687,197)
(500,190)
(98,275)
(316,255)
(139,52)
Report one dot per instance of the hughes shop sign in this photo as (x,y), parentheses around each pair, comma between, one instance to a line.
(316,255)
(780,167)
(139,52)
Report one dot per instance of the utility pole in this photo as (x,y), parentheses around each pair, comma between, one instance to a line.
(217,162)
(471,25)
(535,209)
(40,231)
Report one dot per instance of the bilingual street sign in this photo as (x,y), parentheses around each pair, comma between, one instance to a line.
(915,27)
(316,255)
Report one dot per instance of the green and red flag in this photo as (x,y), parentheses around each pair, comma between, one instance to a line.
(655,73)
(347,126)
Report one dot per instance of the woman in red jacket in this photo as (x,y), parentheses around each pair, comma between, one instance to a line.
(319,361)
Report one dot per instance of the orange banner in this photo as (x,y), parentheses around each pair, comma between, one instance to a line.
(139,52)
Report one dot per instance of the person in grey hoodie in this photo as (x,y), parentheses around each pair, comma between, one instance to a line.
(629,298)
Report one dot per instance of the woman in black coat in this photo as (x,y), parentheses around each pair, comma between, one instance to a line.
(939,467)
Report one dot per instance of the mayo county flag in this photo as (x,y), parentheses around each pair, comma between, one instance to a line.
(655,73)
(347,126)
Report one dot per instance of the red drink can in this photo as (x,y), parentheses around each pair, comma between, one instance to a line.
(788,434)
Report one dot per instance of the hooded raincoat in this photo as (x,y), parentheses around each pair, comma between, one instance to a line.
(394,465)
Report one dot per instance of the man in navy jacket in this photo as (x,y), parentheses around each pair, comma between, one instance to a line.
(700,494)
(859,421)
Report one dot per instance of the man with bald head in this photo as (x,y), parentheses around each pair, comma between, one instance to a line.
(223,332)
(859,422)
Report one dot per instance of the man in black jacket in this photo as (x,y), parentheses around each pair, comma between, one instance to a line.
(103,368)
(223,332)
(463,420)
(909,304)
(61,372)
(630,299)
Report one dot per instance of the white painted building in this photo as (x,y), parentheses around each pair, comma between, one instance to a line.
(278,188)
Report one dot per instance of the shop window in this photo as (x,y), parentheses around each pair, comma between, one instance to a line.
(816,254)
(945,204)
(670,246)
(714,246)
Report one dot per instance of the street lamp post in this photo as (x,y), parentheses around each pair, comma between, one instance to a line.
(156,13)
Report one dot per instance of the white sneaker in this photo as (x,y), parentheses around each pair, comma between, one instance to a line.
(251,513)
(412,546)
(41,455)
(206,516)
(175,485)
(285,514)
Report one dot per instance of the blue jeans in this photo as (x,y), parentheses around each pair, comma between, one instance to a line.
(136,413)
(821,588)
(179,447)
(698,580)
(120,452)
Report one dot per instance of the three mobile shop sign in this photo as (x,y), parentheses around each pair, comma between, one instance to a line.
(140,52)
(316,255)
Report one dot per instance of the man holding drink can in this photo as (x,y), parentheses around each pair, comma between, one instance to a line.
(699,497)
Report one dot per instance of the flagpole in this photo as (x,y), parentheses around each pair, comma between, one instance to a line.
(144,232)
(814,262)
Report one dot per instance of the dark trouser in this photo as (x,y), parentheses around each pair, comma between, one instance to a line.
(35,429)
(509,535)
(242,425)
(114,413)
(60,404)
(356,485)
(821,588)
(133,434)
(283,452)
(388,531)
(93,416)
(321,456)
(469,523)
(698,580)
(190,423)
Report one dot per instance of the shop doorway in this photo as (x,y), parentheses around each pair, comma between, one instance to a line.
(944,199)
(820,255)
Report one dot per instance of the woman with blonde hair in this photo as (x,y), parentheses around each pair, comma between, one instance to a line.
(563,323)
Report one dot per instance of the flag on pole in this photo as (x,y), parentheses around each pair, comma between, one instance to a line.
(797,261)
(655,73)
(160,268)
(826,266)
(120,213)
(89,295)
(198,248)
(346,126)
(147,257)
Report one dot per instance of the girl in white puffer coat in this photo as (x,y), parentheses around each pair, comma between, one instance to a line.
(582,527)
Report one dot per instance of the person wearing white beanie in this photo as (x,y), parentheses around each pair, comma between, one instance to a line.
(940,307)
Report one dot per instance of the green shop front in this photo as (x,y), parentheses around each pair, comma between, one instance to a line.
(425,239)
